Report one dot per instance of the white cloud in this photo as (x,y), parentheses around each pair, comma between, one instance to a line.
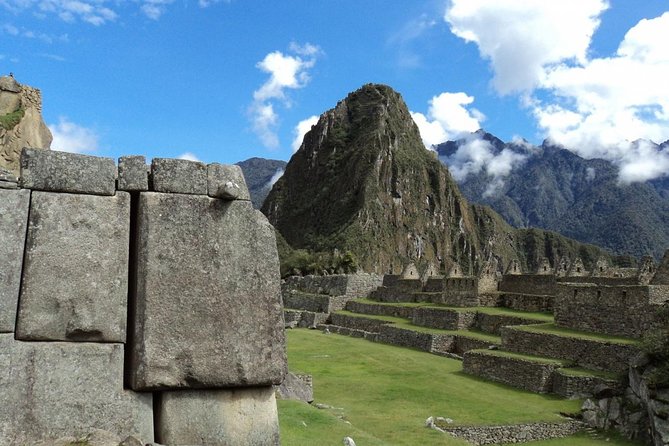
(301,129)
(520,38)
(477,155)
(189,156)
(286,72)
(95,12)
(278,174)
(592,106)
(448,117)
(71,137)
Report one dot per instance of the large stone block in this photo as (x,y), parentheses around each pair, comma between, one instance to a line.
(54,171)
(208,308)
(178,176)
(133,174)
(13,222)
(58,389)
(227,182)
(240,417)
(75,276)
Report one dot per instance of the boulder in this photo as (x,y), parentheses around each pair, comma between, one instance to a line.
(240,417)
(295,387)
(75,272)
(227,182)
(14,212)
(207,312)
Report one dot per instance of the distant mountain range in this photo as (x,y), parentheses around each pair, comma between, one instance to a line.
(558,190)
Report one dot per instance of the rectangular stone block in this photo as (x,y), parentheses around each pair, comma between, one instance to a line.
(75,276)
(208,310)
(226,182)
(178,176)
(133,174)
(13,222)
(240,417)
(49,170)
(60,389)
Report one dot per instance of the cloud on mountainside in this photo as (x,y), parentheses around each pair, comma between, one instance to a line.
(286,72)
(95,12)
(593,106)
(71,137)
(301,129)
(448,117)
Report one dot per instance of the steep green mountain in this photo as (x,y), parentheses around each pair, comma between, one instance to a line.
(260,173)
(363,182)
(558,190)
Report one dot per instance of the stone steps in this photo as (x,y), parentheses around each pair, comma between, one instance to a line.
(537,374)
(582,349)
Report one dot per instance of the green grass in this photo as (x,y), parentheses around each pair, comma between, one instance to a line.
(521,356)
(495,311)
(578,371)
(387,392)
(10,120)
(560,331)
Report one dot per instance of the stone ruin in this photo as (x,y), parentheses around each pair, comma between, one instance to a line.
(140,302)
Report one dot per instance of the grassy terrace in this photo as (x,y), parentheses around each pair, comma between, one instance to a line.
(560,331)
(382,394)
(406,324)
(523,357)
(496,311)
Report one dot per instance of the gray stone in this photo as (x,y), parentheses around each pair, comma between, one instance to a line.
(75,273)
(7,175)
(227,182)
(297,388)
(54,171)
(208,309)
(13,223)
(57,389)
(178,176)
(240,417)
(8,83)
(8,185)
(133,174)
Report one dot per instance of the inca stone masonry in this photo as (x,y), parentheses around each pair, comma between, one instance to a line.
(141,303)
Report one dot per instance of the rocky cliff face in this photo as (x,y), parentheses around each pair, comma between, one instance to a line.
(260,175)
(21,123)
(363,181)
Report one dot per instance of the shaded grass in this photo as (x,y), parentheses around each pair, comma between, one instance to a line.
(560,331)
(578,371)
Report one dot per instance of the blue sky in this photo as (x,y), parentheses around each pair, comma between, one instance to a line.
(227,80)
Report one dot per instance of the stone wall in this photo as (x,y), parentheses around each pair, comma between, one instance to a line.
(517,372)
(515,433)
(528,284)
(129,301)
(380,309)
(588,353)
(352,286)
(527,302)
(618,311)
(442,318)
(575,386)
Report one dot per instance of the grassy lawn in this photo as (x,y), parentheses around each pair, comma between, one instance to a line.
(387,392)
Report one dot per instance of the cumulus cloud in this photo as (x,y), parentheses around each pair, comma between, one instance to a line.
(448,117)
(592,106)
(301,129)
(71,137)
(520,38)
(189,156)
(287,71)
(278,174)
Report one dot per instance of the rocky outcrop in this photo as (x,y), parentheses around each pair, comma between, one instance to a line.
(363,182)
(21,123)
